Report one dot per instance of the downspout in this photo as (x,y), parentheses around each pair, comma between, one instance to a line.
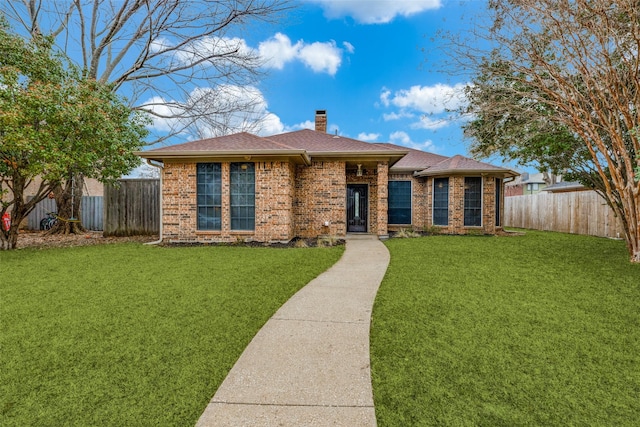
(160,167)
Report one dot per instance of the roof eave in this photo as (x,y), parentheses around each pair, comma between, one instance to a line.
(234,154)
(504,172)
(391,156)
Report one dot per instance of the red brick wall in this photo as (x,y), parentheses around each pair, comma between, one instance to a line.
(382,199)
(297,201)
(420,201)
(274,200)
(422,198)
(456,206)
(178,201)
(275,183)
(320,196)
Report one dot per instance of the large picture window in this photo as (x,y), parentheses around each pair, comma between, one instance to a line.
(399,210)
(209,195)
(441,201)
(473,202)
(243,196)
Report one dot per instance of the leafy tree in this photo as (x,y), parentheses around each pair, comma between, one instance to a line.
(180,61)
(54,122)
(560,84)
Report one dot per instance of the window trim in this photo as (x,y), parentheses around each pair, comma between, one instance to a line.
(499,189)
(410,201)
(219,228)
(464,208)
(433,201)
(231,204)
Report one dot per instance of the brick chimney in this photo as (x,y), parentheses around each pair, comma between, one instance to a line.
(321,121)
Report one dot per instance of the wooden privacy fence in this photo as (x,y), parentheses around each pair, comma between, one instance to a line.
(132,208)
(581,212)
(91,213)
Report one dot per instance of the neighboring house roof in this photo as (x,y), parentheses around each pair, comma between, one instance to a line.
(303,145)
(560,187)
(462,165)
(528,178)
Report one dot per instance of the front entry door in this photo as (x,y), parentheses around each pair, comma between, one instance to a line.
(357,208)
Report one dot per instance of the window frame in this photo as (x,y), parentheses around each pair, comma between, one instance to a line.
(433,203)
(477,216)
(242,201)
(216,220)
(498,196)
(410,208)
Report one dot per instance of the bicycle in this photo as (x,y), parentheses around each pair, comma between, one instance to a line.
(48,222)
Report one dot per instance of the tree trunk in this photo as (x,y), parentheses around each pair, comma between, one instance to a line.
(9,239)
(68,201)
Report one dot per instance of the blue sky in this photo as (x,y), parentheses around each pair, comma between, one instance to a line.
(374,66)
(375,69)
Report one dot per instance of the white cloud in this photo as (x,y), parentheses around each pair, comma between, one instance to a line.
(397,116)
(213,46)
(431,124)
(308,124)
(375,12)
(271,125)
(402,138)
(384,97)
(429,99)
(278,50)
(222,110)
(321,57)
(159,45)
(436,105)
(349,47)
(368,136)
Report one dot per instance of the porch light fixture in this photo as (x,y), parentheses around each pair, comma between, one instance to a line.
(359,172)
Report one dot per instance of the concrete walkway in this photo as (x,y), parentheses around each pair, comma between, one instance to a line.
(309,364)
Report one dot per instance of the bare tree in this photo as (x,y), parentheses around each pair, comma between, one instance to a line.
(566,73)
(170,58)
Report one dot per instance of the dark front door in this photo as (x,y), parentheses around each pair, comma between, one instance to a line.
(357,208)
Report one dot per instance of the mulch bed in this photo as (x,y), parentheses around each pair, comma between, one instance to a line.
(40,239)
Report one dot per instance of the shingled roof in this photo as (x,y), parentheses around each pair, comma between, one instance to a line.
(303,145)
(462,165)
(414,160)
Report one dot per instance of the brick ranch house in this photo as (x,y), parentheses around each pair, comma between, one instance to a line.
(309,183)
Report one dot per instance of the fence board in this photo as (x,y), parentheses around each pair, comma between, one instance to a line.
(582,212)
(132,208)
(91,213)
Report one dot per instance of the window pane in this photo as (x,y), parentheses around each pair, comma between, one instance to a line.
(498,201)
(399,209)
(243,189)
(473,202)
(441,201)
(208,195)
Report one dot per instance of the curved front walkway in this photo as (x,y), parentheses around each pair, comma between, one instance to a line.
(309,364)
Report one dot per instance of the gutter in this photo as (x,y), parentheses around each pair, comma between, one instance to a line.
(160,167)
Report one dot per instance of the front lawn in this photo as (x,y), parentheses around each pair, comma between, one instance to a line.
(536,330)
(132,335)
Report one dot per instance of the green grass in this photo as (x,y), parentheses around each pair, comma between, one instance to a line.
(536,330)
(132,335)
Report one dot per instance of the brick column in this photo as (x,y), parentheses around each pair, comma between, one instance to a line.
(383,198)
